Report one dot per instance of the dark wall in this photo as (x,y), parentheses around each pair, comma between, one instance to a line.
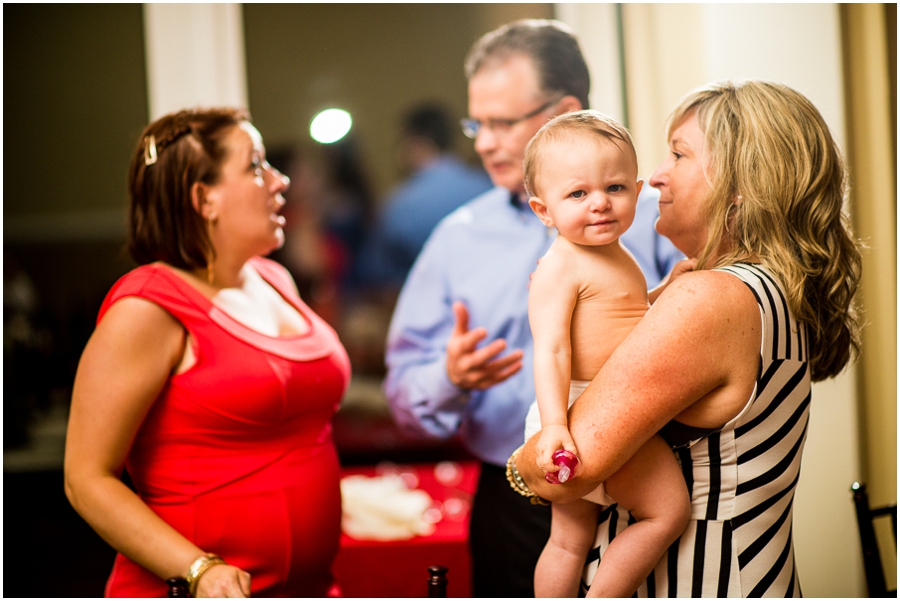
(373,60)
(74,102)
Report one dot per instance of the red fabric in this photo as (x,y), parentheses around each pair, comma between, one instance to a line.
(382,569)
(236,453)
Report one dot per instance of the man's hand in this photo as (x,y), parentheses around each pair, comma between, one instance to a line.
(472,368)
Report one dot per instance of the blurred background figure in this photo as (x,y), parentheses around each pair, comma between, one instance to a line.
(437,182)
(328,207)
(314,258)
(327,211)
(346,202)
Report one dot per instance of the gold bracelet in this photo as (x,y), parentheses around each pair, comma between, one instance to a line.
(518,484)
(200,565)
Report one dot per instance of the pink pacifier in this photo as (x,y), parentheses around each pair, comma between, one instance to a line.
(566,462)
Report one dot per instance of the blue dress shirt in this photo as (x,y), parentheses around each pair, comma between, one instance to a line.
(482,254)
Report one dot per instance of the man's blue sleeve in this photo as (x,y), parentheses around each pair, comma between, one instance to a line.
(418,389)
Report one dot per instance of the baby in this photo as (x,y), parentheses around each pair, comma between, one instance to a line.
(586,296)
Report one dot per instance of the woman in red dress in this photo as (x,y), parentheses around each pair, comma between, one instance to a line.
(210,381)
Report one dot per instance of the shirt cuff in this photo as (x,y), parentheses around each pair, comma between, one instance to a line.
(449,393)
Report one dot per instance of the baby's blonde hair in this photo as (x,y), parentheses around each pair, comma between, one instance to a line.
(589,123)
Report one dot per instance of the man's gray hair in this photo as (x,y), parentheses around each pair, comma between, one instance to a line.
(552,48)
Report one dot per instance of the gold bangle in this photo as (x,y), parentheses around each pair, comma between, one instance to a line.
(518,483)
(200,565)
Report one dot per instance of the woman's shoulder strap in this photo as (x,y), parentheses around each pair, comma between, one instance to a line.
(155,283)
(784,336)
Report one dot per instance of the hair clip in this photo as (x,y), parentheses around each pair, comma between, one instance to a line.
(150,150)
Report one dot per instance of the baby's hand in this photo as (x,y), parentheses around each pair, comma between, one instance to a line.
(681,267)
(552,438)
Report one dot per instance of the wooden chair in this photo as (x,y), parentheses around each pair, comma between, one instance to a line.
(865,517)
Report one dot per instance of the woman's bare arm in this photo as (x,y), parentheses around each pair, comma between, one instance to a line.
(125,365)
(694,355)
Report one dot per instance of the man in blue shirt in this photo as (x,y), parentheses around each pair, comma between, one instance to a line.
(459,351)
(438,183)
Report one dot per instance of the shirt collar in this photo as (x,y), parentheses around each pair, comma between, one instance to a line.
(518,201)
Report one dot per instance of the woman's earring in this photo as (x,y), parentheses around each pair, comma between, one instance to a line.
(728,216)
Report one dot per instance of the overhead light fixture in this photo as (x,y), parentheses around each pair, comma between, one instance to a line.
(330,125)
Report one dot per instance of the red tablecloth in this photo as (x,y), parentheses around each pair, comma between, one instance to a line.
(400,568)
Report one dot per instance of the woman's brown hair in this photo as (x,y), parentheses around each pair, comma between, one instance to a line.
(175,152)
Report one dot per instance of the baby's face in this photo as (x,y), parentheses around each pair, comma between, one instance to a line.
(587,189)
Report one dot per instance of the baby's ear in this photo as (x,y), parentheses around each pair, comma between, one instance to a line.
(640,185)
(540,209)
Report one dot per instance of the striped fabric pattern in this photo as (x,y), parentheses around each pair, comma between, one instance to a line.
(741,479)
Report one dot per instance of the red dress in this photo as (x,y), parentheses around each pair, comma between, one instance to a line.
(236,453)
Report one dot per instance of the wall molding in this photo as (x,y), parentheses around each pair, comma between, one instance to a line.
(70,226)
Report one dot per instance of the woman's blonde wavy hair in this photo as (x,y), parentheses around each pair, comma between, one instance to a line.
(778,189)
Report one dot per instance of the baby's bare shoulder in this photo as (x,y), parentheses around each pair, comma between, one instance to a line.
(614,275)
(561,259)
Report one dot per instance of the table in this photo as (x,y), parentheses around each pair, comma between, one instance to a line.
(368,568)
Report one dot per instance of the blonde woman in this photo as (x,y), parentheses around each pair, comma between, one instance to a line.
(721,364)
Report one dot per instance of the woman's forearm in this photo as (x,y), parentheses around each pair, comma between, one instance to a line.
(125,364)
(124,521)
(699,342)
(526,465)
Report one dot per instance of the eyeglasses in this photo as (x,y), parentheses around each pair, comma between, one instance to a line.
(471,127)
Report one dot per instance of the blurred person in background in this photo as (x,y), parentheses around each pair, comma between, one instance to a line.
(437,183)
(316,258)
(346,203)
(459,350)
(210,382)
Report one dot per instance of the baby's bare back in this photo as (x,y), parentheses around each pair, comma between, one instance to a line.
(612,298)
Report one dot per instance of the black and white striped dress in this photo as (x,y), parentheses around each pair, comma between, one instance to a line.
(742,478)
